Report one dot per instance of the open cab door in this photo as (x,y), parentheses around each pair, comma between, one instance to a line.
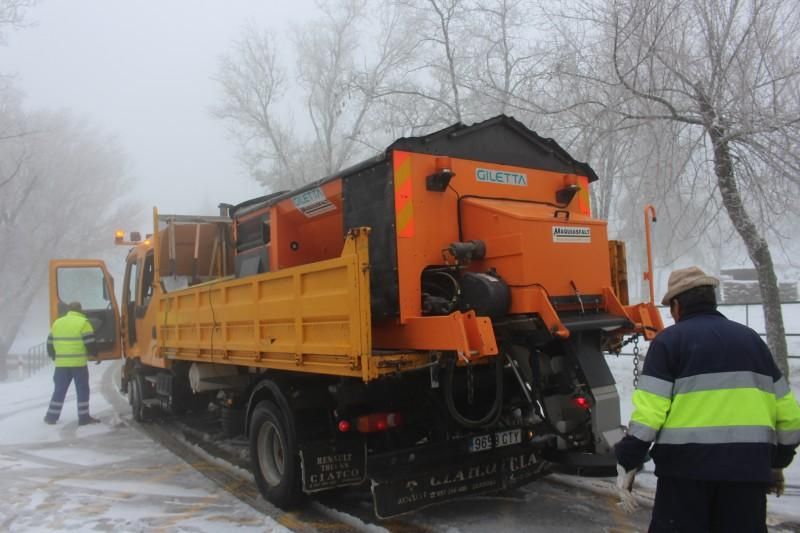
(87,281)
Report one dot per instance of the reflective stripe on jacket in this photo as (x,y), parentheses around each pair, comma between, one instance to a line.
(714,402)
(72,339)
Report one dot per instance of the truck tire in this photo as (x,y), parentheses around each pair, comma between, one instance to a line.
(274,456)
(136,388)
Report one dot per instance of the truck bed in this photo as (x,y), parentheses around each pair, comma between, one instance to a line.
(313,318)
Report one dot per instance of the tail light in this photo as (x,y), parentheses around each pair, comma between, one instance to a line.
(378,422)
(582,402)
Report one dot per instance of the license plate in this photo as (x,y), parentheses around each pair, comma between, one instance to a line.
(498,440)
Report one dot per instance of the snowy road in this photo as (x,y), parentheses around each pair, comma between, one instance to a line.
(108,477)
(114,477)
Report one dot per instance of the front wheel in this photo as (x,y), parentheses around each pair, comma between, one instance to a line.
(274,456)
(136,388)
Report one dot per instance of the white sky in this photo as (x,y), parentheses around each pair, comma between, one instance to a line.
(142,71)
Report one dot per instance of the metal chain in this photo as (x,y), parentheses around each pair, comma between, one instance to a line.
(617,350)
(635,361)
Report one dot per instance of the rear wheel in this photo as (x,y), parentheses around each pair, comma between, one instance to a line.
(136,388)
(274,455)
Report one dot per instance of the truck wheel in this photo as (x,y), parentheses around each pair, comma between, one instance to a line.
(274,455)
(141,412)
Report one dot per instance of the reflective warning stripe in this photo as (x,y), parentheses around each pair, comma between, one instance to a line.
(717,435)
(642,432)
(584,201)
(654,385)
(789,438)
(403,188)
(781,388)
(724,380)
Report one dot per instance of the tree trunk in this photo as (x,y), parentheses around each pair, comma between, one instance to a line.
(757,247)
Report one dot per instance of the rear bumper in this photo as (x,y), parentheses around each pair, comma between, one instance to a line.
(414,478)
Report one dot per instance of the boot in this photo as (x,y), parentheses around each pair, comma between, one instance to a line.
(88,420)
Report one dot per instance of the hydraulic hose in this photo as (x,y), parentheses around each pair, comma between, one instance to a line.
(494,412)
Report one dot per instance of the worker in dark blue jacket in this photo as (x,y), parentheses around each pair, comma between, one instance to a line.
(721,415)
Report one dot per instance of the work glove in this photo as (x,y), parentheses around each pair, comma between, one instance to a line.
(777,485)
(624,485)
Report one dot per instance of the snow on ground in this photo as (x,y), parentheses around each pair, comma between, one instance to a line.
(104,477)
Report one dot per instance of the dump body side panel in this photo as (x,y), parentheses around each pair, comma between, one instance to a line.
(310,318)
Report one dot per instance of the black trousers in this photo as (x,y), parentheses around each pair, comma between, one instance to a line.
(62,377)
(692,506)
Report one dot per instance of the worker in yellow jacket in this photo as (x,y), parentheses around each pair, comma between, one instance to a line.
(70,343)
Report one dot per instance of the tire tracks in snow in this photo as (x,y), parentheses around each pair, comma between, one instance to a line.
(311,518)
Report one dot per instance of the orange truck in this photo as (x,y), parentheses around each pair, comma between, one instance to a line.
(433,320)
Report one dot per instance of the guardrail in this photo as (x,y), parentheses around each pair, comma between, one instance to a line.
(36,360)
(22,365)
(752,316)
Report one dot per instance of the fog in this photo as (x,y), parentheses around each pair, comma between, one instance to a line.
(142,73)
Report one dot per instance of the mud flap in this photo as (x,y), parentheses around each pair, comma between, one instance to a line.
(606,425)
(326,465)
(474,475)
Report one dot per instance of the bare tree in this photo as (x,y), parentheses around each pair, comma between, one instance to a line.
(327,54)
(253,82)
(505,60)
(441,57)
(727,74)
(64,201)
(12,15)
(349,62)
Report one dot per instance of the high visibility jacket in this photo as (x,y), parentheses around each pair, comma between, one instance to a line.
(712,399)
(71,340)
